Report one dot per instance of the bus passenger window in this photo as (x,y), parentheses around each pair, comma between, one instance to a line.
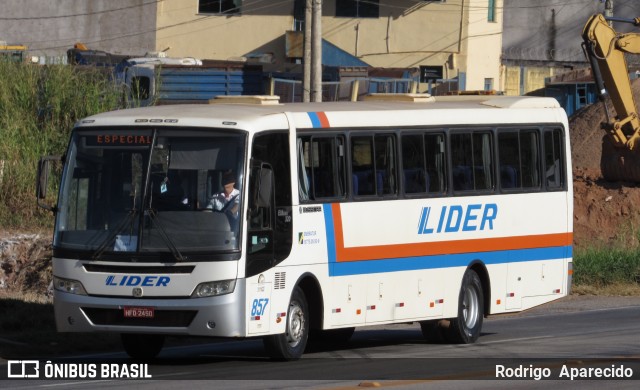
(373,165)
(554,159)
(423,163)
(321,172)
(435,174)
(362,166)
(530,158)
(413,164)
(509,160)
(472,161)
(519,158)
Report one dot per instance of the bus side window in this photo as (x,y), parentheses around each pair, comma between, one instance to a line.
(373,163)
(554,159)
(321,167)
(509,160)
(519,160)
(472,161)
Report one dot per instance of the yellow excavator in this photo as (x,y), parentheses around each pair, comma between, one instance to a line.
(605,48)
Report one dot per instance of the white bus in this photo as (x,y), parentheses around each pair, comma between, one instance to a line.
(434,210)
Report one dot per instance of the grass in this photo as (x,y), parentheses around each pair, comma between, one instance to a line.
(38,107)
(607,268)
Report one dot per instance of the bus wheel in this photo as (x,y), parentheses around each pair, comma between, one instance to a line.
(465,328)
(142,346)
(291,344)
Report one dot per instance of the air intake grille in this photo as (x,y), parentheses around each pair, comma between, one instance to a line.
(280,280)
(162,318)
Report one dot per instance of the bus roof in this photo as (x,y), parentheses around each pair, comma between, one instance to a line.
(440,110)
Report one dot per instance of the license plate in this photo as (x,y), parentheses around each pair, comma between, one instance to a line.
(138,312)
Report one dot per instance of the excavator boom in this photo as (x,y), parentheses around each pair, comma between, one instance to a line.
(606,51)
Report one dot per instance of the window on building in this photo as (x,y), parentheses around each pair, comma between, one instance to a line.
(488,84)
(219,6)
(299,11)
(358,8)
(491,16)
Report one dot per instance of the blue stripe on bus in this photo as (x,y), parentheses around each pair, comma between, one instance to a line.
(331,236)
(435,261)
(445,261)
(315,120)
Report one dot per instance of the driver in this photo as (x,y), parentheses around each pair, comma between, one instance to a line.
(221,201)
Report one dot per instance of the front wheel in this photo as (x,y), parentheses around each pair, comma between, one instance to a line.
(465,329)
(291,344)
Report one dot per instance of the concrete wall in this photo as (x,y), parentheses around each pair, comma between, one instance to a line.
(550,30)
(260,28)
(406,33)
(518,80)
(454,34)
(484,43)
(49,28)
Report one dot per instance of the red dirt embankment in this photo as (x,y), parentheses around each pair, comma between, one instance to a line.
(605,213)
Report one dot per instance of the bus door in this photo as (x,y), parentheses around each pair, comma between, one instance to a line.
(269,229)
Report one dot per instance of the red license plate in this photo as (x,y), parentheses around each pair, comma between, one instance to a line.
(138,312)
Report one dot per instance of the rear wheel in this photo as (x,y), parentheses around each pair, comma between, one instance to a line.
(142,346)
(291,344)
(465,329)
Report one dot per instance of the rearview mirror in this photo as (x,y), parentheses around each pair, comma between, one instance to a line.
(42,181)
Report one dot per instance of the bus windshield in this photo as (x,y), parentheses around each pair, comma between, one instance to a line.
(151,191)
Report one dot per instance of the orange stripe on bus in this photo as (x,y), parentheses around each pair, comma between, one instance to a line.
(440,247)
(324,121)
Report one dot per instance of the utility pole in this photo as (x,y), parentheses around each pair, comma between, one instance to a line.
(306,70)
(316,52)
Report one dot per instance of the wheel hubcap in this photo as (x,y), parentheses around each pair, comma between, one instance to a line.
(296,325)
(470,307)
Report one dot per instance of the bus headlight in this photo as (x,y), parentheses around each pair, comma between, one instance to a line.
(68,286)
(210,289)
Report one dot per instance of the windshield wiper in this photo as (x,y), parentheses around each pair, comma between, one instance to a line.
(165,237)
(106,243)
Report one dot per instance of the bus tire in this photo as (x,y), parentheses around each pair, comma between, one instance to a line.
(142,346)
(465,328)
(291,344)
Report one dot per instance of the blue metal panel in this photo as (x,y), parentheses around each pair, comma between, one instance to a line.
(194,84)
(332,55)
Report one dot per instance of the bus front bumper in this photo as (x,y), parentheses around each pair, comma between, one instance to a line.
(219,316)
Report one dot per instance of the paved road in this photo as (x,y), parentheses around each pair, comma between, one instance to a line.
(572,335)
